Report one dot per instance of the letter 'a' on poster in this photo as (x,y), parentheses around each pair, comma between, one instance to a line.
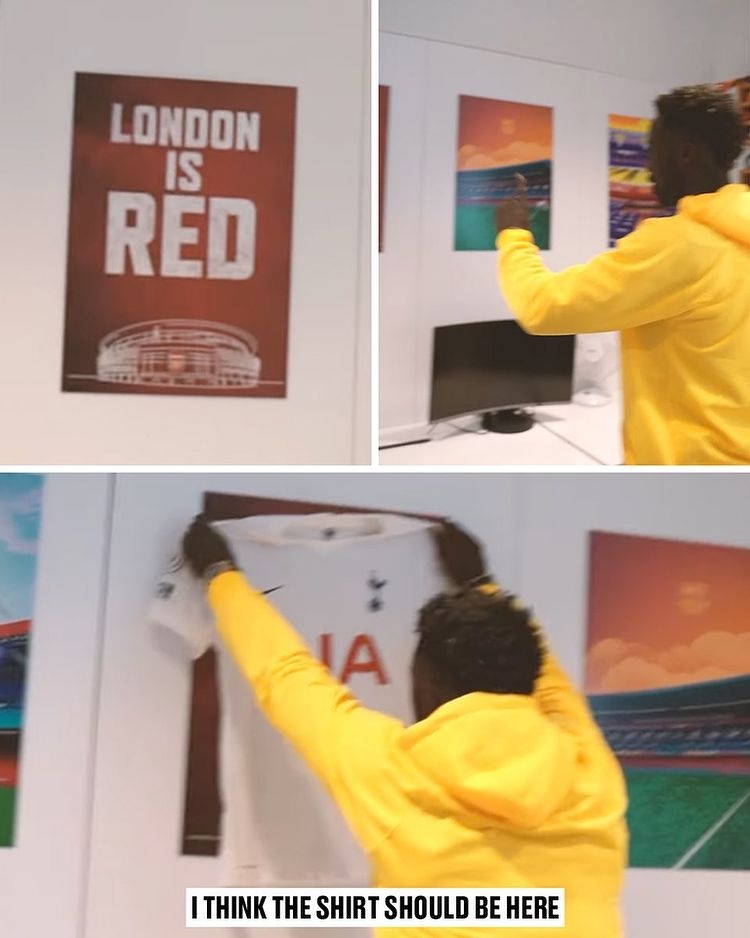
(180,234)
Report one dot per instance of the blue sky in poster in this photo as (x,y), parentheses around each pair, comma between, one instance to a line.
(20,515)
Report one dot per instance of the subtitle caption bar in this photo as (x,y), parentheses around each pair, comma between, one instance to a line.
(376,908)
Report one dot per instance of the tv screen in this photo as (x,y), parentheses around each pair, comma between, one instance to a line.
(484,366)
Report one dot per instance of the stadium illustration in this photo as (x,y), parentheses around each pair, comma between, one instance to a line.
(703,725)
(13,643)
(479,191)
(685,751)
(189,353)
(631,195)
(13,651)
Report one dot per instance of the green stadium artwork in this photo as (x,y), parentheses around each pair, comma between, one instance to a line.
(20,511)
(497,140)
(668,680)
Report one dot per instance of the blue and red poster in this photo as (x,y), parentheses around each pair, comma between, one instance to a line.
(20,513)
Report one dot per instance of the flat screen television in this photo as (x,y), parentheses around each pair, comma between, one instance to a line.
(487,367)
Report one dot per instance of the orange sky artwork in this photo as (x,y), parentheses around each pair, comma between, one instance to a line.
(502,133)
(664,613)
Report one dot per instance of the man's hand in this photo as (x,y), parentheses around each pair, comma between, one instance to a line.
(204,547)
(461,556)
(514,212)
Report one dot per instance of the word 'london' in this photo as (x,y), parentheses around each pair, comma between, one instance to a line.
(189,128)
(133,218)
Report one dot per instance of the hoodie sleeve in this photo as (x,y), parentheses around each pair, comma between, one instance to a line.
(650,276)
(558,697)
(342,742)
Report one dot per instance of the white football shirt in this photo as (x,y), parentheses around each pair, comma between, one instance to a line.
(352,586)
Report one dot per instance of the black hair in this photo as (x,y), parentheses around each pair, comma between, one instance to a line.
(474,642)
(707,115)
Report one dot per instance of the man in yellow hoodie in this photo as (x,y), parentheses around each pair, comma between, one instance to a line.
(677,288)
(504,781)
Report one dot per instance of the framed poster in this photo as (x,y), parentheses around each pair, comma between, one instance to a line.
(201,829)
(631,195)
(497,140)
(384,104)
(668,678)
(20,516)
(179,241)
(739,88)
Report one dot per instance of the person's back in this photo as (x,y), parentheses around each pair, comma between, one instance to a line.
(678,290)
(686,378)
(491,792)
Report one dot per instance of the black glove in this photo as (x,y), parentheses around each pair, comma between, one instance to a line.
(203,547)
(461,556)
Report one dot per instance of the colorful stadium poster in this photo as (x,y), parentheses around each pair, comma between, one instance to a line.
(385,94)
(631,195)
(497,140)
(739,88)
(668,679)
(179,242)
(20,512)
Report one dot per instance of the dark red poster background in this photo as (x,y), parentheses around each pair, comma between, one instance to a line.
(385,94)
(98,303)
(202,807)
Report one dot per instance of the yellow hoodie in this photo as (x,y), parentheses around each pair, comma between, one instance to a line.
(491,790)
(679,291)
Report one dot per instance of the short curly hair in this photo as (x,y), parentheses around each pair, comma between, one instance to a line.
(475,642)
(706,114)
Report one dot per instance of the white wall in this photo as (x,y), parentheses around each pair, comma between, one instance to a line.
(564,55)
(731,40)
(109,865)
(318,45)
(641,39)
(403,67)
(363,418)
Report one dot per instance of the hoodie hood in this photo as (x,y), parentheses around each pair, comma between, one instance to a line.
(726,211)
(494,756)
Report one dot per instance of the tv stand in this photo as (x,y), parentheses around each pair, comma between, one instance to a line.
(508,420)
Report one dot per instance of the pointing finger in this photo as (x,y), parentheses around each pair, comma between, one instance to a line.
(521,187)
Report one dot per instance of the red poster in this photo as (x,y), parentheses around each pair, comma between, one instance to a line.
(385,93)
(179,243)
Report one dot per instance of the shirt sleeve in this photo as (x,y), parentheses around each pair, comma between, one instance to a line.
(651,275)
(342,742)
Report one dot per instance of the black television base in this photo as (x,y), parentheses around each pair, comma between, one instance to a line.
(509,420)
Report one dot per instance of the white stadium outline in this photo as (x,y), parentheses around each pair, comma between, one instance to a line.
(219,355)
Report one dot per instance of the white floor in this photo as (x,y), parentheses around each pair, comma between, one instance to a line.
(564,435)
